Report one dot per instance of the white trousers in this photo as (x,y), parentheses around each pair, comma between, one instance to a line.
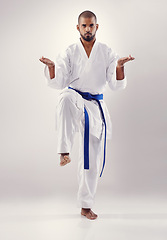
(69,119)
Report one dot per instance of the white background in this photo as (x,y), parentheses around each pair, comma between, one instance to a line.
(136,157)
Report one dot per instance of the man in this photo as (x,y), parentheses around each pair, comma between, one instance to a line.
(82,73)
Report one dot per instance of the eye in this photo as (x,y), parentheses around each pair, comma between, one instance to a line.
(83,25)
(91,25)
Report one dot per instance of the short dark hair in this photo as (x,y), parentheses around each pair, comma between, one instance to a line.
(87,14)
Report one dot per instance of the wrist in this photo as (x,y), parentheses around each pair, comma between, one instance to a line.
(51,66)
(120,66)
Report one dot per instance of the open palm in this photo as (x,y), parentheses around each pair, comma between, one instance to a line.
(123,60)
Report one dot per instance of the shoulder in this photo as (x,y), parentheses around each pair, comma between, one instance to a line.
(105,48)
(67,52)
(108,53)
(71,47)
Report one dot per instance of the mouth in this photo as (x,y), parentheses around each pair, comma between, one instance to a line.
(88,34)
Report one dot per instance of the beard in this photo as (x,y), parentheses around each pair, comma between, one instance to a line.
(89,37)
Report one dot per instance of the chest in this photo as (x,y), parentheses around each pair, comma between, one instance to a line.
(88,51)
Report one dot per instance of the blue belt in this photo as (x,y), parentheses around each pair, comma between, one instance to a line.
(97,97)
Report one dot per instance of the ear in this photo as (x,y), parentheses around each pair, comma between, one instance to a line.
(97,26)
(77,27)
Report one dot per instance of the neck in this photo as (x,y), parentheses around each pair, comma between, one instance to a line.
(87,44)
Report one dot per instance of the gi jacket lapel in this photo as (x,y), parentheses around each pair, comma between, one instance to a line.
(84,54)
(87,61)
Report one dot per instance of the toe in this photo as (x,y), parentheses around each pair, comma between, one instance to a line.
(91,215)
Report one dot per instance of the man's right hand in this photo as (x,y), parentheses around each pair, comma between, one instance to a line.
(47,61)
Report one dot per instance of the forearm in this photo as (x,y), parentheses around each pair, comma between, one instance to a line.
(120,72)
(52,71)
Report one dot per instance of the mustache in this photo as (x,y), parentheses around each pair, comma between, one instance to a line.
(88,33)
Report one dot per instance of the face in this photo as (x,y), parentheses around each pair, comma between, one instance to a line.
(87,28)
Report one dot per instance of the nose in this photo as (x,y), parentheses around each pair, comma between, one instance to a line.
(87,29)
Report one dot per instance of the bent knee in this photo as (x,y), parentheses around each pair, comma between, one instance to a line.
(70,96)
(67,96)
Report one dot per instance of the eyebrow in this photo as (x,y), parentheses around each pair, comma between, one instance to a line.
(84,24)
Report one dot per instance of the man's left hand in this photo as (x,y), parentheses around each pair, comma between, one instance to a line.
(122,61)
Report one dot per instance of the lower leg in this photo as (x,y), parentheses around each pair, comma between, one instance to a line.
(63,154)
(88,179)
(68,117)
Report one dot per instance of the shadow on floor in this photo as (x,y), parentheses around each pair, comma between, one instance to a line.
(134,216)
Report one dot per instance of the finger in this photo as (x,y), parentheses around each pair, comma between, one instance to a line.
(124,58)
(131,58)
(41,60)
(128,59)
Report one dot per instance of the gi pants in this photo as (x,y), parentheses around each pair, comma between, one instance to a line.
(69,120)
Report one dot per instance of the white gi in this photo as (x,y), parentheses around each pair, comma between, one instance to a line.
(76,70)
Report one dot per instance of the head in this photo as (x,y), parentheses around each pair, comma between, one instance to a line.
(87,25)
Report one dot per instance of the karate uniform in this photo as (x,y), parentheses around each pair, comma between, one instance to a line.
(74,69)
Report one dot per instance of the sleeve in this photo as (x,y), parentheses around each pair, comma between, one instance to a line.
(62,72)
(113,83)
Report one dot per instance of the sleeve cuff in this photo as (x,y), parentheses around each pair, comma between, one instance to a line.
(121,84)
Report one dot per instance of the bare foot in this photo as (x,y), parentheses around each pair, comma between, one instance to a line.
(87,212)
(64,159)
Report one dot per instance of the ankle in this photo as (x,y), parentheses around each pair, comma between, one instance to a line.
(63,154)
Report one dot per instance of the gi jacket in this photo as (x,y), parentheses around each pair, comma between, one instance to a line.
(73,68)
